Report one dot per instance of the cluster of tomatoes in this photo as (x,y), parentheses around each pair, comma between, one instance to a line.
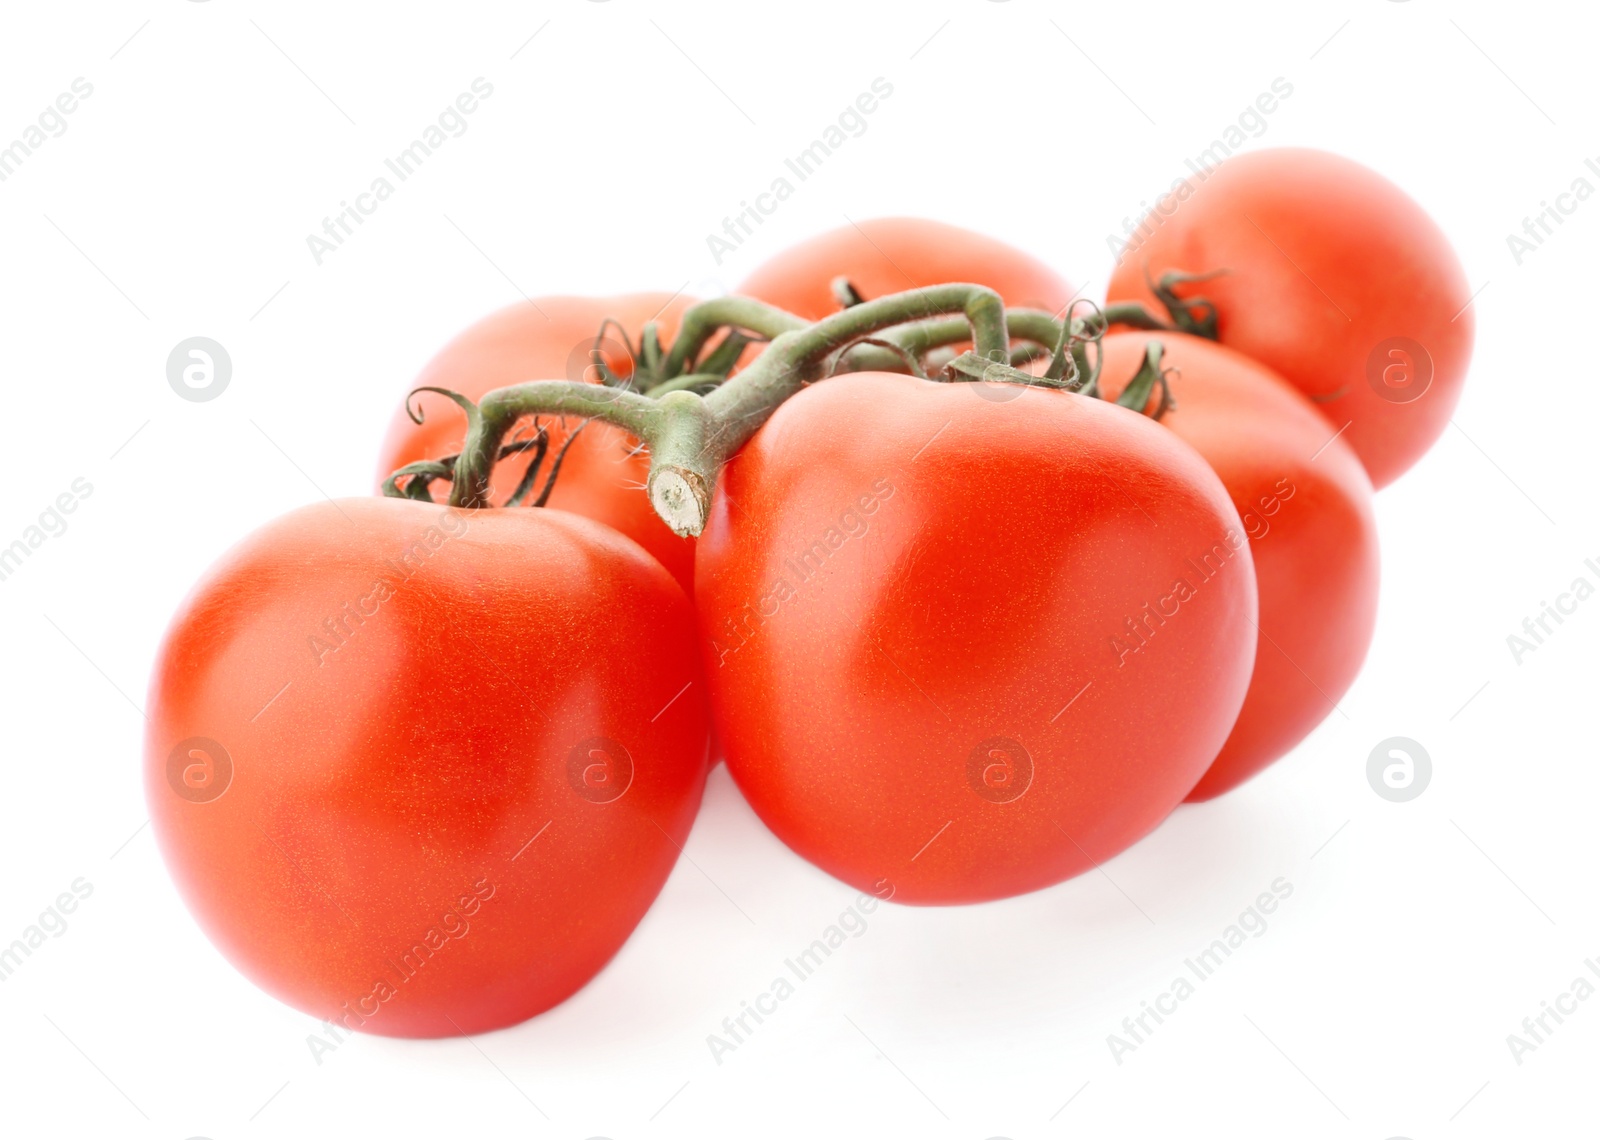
(970,584)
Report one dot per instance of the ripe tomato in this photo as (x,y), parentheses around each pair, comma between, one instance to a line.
(891,255)
(1336,280)
(969,640)
(1307,509)
(602,476)
(408,766)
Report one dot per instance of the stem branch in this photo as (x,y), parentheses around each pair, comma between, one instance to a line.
(703,321)
(499,411)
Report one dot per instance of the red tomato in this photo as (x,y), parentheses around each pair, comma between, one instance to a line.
(1336,280)
(409,767)
(602,477)
(891,255)
(1307,509)
(965,641)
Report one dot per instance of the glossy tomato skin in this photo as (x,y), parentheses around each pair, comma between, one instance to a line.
(1337,280)
(891,255)
(1306,503)
(402,764)
(917,603)
(549,339)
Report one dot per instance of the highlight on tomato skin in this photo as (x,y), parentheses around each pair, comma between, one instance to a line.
(549,338)
(969,640)
(1306,504)
(1332,276)
(409,769)
(890,255)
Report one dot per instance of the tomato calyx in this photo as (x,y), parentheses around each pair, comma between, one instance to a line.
(969,366)
(1067,343)
(930,344)
(415,480)
(1071,344)
(1195,315)
(655,371)
(1150,377)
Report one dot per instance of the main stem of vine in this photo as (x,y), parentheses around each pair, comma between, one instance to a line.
(691,436)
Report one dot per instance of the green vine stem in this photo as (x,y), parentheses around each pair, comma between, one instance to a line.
(693,421)
(1150,377)
(1196,315)
(703,321)
(690,436)
(1029,324)
(490,420)
(1042,332)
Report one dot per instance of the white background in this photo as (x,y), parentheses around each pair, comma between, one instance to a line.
(1418,936)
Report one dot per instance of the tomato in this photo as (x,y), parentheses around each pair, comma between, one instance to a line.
(1336,280)
(965,641)
(409,767)
(550,339)
(1306,503)
(891,255)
